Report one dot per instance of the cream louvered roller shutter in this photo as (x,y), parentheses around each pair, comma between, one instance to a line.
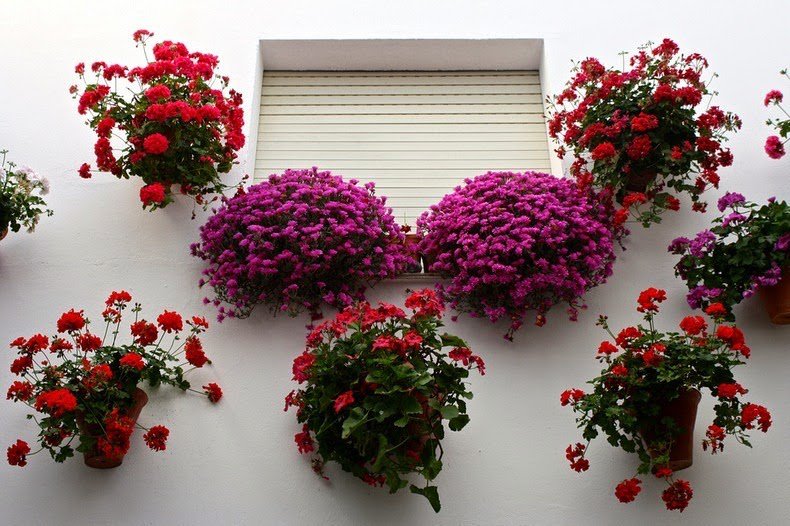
(416,134)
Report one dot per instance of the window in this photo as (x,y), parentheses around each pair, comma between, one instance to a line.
(416,134)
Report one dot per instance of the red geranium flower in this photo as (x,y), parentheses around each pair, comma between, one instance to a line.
(343,400)
(628,489)
(213,392)
(170,321)
(71,321)
(152,193)
(194,352)
(56,402)
(132,360)
(678,495)
(156,438)
(155,143)
(17,453)
(144,333)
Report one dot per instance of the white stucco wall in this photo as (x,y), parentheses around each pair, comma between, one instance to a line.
(236,463)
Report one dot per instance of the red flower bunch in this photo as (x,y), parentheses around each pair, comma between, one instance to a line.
(379,387)
(637,131)
(168,124)
(86,387)
(775,144)
(647,371)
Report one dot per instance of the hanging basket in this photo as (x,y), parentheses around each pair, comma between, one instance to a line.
(636,182)
(96,459)
(776,299)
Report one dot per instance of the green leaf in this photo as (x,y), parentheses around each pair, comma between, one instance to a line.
(402,421)
(354,419)
(429,492)
(449,411)
(449,340)
(459,422)
(410,406)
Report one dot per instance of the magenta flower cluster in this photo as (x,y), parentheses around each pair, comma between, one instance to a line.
(516,242)
(296,241)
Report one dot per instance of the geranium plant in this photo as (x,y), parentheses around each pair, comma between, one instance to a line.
(775,144)
(379,387)
(296,241)
(638,131)
(648,376)
(746,248)
(85,387)
(510,243)
(170,122)
(21,201)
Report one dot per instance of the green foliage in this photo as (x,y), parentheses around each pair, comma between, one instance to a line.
(404,386)
(747,247)
(20,206)
(647,370)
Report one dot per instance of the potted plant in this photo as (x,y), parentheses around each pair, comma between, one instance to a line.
(645,399)
(747,249)
(637,131)
(379,387)
(86,388)
(775,144)
(296,241)
(510,243)
(169,122)
(21,201)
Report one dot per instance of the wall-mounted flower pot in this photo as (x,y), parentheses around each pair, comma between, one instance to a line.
(636,182)
(3,233)
(95,459)
(683,410)
(777,299)
(414,266)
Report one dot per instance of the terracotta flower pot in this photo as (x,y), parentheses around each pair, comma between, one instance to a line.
(777,299)
(414,266)
(683,410)
(636,182)
(3,233)
(94,458)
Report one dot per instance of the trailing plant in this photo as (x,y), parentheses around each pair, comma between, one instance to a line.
(775,144)
(746,248)
(21,201)
(516,242)
(296,241)
(171,121)
(646,369)
(379,387)
(81,385)
(641,132)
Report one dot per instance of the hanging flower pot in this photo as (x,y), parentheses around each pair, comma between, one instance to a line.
(95,458)
(645,399)
(746,250)
(85,390)
(411,243)
(395,380)
(636,182)
(655,113)
(3,233)
(683,411)
(22,194)
(777,299)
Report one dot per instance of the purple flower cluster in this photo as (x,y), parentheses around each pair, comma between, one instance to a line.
(746,248)
(515,242)
(296,241)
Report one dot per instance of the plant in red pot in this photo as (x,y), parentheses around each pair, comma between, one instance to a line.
(645,400)
(85,388)
(638,131)
(21,197)
(747,249)
(379,386)
(171,121)
(775,144)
